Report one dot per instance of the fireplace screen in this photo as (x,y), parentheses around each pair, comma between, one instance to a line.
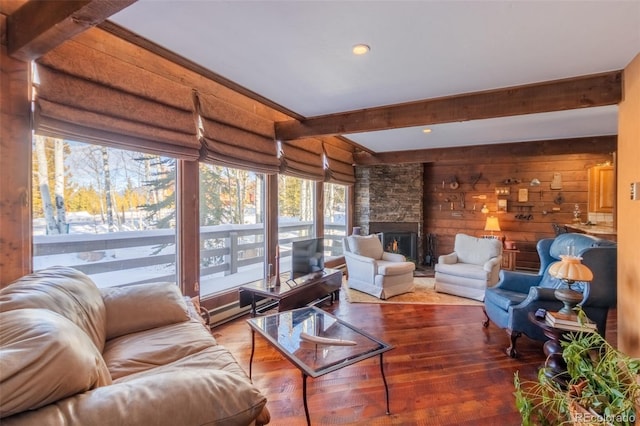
(404,243)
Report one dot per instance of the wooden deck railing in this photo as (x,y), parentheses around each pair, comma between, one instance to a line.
(147,256)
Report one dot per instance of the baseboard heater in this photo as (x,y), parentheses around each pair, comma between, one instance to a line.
(232,311)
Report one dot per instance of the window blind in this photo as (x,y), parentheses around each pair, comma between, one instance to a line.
(234,137)
(303,159)
(340,165)
(87,96)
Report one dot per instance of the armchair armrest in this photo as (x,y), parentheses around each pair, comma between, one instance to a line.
(538,294)
(517,281)
(492,263)
(450,258)
(361,266)
(393,257)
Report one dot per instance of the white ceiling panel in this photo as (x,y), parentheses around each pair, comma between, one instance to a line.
(298,55)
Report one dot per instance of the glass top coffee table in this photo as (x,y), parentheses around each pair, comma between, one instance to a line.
(317,343)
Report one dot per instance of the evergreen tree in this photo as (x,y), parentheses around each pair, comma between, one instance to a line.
(161,212)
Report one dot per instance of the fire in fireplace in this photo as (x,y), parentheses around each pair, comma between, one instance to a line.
(404,243)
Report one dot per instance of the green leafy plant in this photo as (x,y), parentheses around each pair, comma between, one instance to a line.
(600,387)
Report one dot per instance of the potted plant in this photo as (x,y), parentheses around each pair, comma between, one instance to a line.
(600,387)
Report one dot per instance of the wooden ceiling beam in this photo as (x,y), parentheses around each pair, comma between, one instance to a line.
(559,95)
(590,145)
(39,26)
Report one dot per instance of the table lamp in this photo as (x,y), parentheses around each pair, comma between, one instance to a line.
(492,224)
(570,269)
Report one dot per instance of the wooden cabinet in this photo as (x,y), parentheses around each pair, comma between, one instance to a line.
(602,189)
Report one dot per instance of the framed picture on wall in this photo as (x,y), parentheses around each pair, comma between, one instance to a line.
(523,195)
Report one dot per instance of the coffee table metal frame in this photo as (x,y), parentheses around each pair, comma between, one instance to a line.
(282,330)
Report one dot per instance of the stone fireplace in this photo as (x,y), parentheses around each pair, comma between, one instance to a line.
(389,202)
(398,237)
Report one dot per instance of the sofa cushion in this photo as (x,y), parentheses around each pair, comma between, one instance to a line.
(395,268)
(142,307)
(476,250)
(466,270)
(148,349)
(368,246)
(45,358)
(504,298)
(65,291)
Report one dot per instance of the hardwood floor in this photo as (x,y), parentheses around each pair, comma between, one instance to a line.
(445,369)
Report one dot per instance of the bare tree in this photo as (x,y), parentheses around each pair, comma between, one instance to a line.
(58,151)
(107,187)
(43,183)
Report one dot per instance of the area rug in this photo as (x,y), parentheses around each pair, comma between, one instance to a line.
(423,294)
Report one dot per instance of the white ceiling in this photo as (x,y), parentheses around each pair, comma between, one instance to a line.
(298,55)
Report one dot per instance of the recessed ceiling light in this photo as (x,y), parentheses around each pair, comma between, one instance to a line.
(426,130)
(360,49)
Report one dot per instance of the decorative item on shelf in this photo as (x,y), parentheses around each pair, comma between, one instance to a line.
(492,225)
(276,278)
(270,282)
(509,244)
(534,182)
(523,195)
(559,199)
(512,181)
(570,270)
(503,190)
(453,183)
(502,205)
(576,213)
(356,230)
(556,183)
(484,209)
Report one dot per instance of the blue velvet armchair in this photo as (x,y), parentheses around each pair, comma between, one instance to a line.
(509,302)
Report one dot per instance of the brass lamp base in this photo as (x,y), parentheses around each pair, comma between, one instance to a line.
(569,297)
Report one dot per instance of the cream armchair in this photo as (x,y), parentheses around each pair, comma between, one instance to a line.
(374,271)
(473,265)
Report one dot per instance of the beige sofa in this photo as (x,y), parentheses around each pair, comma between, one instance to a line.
(73,354)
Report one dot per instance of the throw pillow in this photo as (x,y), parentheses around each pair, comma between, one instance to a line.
(368,246)
(45,358)
(142,307)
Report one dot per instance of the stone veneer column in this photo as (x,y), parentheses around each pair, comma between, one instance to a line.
(390,193)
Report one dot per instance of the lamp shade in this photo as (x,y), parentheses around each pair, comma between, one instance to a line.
(570,269)
(492,224)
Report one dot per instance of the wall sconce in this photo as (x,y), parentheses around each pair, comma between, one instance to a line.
(492,225)
(503,190)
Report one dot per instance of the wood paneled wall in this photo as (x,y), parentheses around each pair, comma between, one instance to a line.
(15,178)
(446,215)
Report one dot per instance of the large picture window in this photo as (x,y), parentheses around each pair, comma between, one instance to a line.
(232,228)
(335,218)
(296,218)
(110,213)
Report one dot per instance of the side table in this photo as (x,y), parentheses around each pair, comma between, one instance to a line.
(509,259)
(554,367)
